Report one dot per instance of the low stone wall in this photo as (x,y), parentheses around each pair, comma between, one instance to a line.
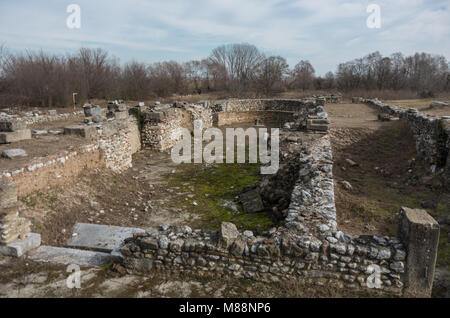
(34,117)
(112,148)
(162,128)
(253,105)
(306,247)
(432,134)
(299,114)
(57,169)
(225,118)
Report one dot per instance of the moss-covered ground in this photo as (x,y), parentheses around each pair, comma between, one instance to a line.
(215,189)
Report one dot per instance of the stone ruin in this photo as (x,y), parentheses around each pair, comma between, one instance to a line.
(432,134)
(307,246)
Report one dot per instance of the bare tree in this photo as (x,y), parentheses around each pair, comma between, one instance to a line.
(135,83)
(271,74)
(303,75)
(241,62)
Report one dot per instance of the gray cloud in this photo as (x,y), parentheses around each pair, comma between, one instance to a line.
(325,32)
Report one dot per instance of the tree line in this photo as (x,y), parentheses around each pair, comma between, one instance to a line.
(42,79)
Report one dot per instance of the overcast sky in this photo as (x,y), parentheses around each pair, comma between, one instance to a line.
(326,32)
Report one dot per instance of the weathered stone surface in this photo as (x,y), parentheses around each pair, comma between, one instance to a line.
(19,248)
(13,153)
(228,234)
(92,110)
(13,125)
(439,104)
(100,237)
(420,233)
(8,195)
(81,130)
(252,202)
(69,256)
(15,136)
(13,228)
(238,247)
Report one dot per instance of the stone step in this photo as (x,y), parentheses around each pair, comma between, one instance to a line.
(103,238)
(67,256)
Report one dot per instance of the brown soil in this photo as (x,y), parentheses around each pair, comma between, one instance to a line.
(138,198)
(383,181)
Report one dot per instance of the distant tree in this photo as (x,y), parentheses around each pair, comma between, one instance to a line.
(303,75)
(271,74)
(241,62)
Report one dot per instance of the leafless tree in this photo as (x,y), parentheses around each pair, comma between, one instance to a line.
(271,74)
(241,62)
(303,75)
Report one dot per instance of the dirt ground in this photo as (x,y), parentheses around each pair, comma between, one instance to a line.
(389,174)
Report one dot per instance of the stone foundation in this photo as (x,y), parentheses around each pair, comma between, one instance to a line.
(110,147)
(306,247)
(432,135)
(161,128)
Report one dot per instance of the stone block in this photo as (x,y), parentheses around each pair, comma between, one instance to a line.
(121,115)
(155,116)
(252,202)
(8,214)
(101,237)
(8,195)
(13,125)
(80,130)
(228,234)
(14,153)
(92,110)
(316,127)
(19,248)
(420,234)
(68,256)
(15,136)
(16,229)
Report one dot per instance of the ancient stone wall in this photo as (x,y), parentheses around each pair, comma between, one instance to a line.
(37,117)
(299,114)
(306,247)
(275,117)
(432,134)
(112,147)
(162,128)
(120,141)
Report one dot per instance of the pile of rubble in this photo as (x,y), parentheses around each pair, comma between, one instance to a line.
(12,227)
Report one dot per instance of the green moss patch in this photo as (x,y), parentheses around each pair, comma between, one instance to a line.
(213,190)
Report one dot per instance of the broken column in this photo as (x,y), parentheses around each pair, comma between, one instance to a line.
(420,234)
(15,236)
(13,131)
